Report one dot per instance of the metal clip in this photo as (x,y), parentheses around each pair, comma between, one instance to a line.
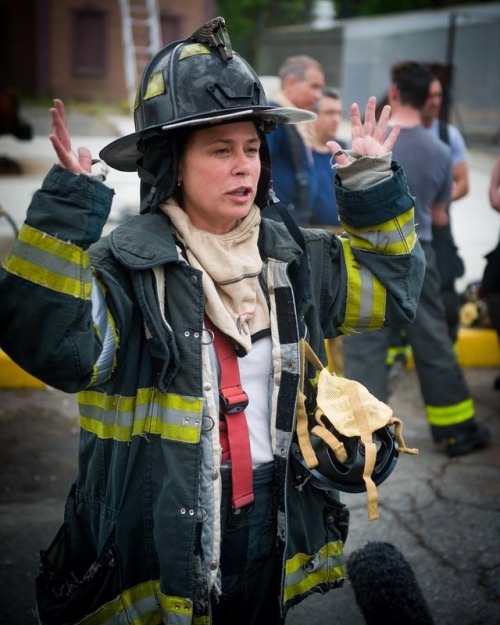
(234,404)
(214,33)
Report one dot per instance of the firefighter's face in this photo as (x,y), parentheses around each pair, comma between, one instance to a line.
(218,174)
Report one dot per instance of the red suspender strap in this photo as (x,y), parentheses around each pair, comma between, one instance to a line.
(233,401)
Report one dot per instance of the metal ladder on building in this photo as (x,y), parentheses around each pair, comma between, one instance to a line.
(141,31)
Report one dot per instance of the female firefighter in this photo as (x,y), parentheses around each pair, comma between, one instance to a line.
(180,331)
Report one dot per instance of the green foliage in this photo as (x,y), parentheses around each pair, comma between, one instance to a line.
(245,19)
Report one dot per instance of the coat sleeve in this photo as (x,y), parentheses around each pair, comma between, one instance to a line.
(47,287)
(381,262)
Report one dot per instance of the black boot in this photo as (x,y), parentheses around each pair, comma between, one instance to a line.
(462,438)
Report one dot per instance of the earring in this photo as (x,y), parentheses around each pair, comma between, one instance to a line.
(179,182)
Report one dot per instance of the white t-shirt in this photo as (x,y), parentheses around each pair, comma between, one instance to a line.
(456,142)
(255,375)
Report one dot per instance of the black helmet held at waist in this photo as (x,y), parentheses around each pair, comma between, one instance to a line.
(348,476)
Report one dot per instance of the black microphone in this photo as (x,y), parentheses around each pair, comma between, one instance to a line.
(385,587)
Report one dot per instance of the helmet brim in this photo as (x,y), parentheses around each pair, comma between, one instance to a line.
(123,153)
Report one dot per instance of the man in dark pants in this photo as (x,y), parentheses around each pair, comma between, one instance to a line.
(427,163)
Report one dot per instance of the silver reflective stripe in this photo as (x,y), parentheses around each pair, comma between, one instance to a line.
(365,312)
(396,236)
(41,257)
(50,263)
(105,362)
(381,239)
(159,274)
(366,296)
(303,572)
(150,412)
(144,604)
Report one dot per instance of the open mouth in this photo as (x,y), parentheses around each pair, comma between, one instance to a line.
(243,192)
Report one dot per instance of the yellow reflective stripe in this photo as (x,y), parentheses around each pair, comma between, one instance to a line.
(51,263)
(192,49)
(396,236)
(182,608)
(393,352)
(143,604)
(327,566)
(366,296)
(155,86)
(450,415)
(95,373)
(47,243)
(171,416)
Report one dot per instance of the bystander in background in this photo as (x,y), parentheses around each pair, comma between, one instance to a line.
(324,204)
(325,128)
(449,263)
(490,286)
(427,164)
(294,177)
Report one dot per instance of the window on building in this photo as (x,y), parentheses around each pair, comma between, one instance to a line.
(171,27)
(4,46)
(89,42)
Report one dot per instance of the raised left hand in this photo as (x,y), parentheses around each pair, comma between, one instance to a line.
(78,162)
(369,138)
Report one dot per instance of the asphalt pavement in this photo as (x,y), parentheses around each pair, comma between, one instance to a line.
(442,514)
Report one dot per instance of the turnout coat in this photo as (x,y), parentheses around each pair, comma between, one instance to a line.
(119,321)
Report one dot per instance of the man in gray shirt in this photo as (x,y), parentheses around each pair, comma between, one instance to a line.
(427,163)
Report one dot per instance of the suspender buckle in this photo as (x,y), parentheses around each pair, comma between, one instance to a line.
(233,404)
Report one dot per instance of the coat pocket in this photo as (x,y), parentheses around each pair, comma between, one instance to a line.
(73,579)
(317,531)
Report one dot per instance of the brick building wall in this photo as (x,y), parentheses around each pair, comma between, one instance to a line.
(73,49)
(17,34)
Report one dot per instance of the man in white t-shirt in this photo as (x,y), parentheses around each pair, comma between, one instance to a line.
(449,263)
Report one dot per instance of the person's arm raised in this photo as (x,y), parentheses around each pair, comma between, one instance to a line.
(79,162)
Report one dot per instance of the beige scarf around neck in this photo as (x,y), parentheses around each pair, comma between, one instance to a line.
(231,264)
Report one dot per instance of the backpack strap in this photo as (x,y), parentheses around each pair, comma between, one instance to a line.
(298,154)
(444,133)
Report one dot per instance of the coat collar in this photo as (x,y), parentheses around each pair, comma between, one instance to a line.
(146,241)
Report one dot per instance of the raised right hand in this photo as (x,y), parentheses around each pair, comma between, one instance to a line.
(369,137)
(78,162)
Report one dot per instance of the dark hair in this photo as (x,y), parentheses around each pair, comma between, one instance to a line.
(331,92)
(412,80)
